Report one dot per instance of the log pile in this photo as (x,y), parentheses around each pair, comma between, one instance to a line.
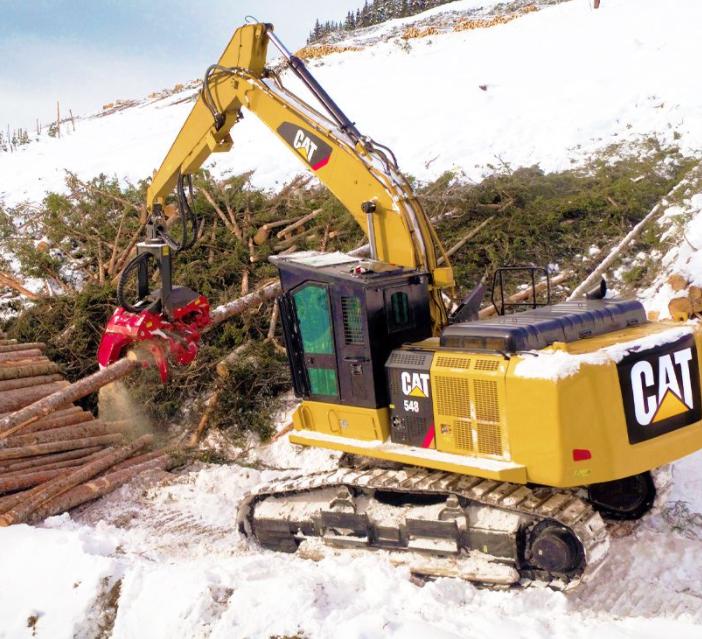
(687,302)
(54,455)
(485,23)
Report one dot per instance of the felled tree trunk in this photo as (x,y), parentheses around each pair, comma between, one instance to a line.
(22,354)
(29,369)
(59,419)
(94,428)
(13,400)
(27,382)
(9,348)
(239,305)
(58,447)
(28,479)
(86,455)
(55,458)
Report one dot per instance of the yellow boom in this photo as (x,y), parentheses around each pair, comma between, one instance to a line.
(359,173)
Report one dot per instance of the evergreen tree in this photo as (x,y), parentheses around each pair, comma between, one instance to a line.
(366,15)
(373,12)
(350,22)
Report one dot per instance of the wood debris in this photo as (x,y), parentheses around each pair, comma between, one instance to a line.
(416,32)
(678,282)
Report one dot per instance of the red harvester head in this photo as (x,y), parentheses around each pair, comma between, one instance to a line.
(176,339)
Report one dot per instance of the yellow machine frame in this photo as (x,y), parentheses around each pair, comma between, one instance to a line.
(519,429)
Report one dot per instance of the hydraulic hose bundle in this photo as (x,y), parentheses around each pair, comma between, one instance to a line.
(160,245)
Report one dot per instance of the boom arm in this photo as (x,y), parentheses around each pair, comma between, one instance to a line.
(355,169)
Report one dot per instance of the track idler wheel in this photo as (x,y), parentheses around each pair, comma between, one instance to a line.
(554,548)
(623,499)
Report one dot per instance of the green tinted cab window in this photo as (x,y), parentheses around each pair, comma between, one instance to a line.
(322,381)
(312,309)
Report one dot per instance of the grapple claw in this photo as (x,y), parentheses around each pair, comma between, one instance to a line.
(165,339)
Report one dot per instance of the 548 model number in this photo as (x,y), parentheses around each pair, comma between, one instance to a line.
(411,406)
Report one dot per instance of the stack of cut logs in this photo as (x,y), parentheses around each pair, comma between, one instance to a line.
(688,298)
(55,456)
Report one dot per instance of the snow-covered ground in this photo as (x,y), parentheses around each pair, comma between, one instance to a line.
(559,83)
(161,556)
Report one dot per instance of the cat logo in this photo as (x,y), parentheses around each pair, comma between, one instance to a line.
(304,146)
(312,149)
(415,384)
(661,389)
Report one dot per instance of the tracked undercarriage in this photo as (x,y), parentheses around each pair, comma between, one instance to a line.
(440,524)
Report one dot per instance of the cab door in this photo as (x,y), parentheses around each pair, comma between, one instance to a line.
(313,316)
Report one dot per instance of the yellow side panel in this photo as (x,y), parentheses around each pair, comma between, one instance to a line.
(469,404)
(347,421)
(424,457)
(550,419)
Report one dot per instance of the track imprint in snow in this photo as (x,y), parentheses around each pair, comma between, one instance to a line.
(648,574)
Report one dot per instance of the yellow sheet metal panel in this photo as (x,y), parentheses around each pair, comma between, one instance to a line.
(426,458)
(573,430)
(365,424)
(469,403)
(535,411)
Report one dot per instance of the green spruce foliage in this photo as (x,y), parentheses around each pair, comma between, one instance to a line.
(371,13)
(79,241)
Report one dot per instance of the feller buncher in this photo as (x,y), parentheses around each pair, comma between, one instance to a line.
(493,450)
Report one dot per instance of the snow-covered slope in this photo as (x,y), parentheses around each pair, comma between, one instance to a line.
(558,83)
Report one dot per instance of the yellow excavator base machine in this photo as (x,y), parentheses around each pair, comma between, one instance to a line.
(488,449)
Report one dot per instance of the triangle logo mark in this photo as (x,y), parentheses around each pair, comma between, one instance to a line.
(671,406)
(417,392)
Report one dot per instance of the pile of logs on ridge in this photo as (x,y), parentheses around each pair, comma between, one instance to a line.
(54,455)
(687,302)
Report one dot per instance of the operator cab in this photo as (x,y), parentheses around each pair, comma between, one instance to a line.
(342,316)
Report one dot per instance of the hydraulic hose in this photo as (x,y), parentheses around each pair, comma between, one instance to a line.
(187,216)
(140,264)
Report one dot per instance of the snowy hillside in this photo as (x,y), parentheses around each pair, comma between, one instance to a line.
(557,84)
(161,558)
